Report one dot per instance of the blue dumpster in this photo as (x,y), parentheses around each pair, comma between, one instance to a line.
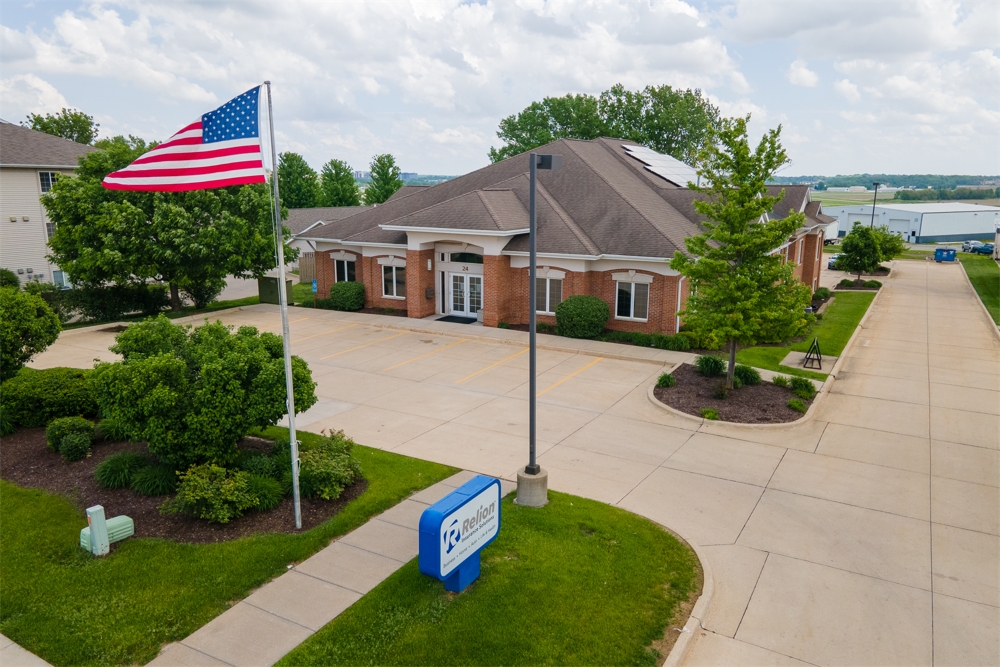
(944,254)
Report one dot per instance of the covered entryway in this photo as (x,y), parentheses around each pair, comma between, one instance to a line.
(460,283)
(466,294)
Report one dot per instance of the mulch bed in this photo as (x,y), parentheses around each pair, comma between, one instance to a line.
(764,403)
(25,460)
(857,288)
(385,311)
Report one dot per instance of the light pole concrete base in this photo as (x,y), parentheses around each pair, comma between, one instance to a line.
(532,490)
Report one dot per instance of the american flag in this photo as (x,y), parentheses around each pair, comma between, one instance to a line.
(219,149)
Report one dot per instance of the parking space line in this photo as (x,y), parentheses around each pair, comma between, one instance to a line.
(325,332)
(551,387)
(365,345)
(279,324)
(426,355)
(483,370)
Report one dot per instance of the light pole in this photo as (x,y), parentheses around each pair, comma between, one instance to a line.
(874,200)
(533,482)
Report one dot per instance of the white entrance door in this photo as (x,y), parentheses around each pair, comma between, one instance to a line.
(466,294)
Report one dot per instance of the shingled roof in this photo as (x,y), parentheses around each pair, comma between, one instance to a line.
(301,219)
(24,147)
(601,202)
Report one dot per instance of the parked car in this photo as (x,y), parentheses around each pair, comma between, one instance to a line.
(833,261)
(983,249)
(969,245)
(833,241)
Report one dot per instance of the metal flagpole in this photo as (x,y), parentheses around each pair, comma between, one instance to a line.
(283,300)
(532,468)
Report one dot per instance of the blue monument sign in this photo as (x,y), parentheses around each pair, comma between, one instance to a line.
(456,528)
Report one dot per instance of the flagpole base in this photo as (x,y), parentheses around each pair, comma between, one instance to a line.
(532,490)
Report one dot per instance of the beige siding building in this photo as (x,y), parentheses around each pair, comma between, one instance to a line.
(30,162)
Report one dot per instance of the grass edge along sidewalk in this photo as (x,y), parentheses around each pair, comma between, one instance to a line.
(834,331)
(71,609)
(984,274)
(577,582)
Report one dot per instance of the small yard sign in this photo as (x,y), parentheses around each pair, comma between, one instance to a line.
(314,286)
(455,529)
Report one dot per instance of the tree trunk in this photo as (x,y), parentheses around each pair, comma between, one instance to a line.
(175,298)
(731,369)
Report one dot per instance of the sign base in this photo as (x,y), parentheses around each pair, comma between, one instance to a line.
(465,574)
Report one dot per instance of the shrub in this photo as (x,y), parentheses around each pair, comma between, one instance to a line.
(192,395)
(60,428)
(266,491)
(9,279)
(155,480)
(542,327)
(846,282)
(710,413)
(746,374)
(116,471)
(34,398)
(212,493)
(104,304)
(822,293)
(111,429)
(347,296)
(582,316)
(328,468)
(75,446)
(872,283)
(503,325)
(257,463)
(7,425)
(666,380)
(676,343)
(780,381)
(797,405)
(803,388)
(737,382)
(27,327)
(709,365)
(204,292)
(720,392)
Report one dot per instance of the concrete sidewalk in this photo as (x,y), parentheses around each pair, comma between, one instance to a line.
(12,655)
(283,613)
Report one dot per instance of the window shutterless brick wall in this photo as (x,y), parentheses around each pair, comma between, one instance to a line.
(418,280)
(325,274)
(371,275)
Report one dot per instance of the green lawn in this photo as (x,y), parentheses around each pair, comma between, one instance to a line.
(985,277)
(836,328)
(575,583)
(72,609)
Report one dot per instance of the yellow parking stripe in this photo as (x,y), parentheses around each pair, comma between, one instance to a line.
(325,332)
(468,377)
(365,345)
(569,376)
(425,355)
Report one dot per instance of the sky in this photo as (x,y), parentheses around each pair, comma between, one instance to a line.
(858,87)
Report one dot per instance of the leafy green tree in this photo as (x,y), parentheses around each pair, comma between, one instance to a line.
(186,239)
(741,291)
(27,327)
(192,395)
(298,183)
(337,185)
(860,251)
(68,124)
(385,179)
(890,244)
(675,122)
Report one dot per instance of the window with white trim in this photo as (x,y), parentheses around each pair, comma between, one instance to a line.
(344,270)
(46,179)
(394,281)
(548,294)
(632,301)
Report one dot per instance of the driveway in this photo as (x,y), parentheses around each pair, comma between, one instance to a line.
(867,535)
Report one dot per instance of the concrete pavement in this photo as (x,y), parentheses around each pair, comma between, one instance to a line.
(867,534)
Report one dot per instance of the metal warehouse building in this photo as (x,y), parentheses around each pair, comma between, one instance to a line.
(924,223)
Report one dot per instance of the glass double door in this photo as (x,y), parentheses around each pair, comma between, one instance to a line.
(466,294)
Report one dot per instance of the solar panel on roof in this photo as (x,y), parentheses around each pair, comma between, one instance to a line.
(664,166)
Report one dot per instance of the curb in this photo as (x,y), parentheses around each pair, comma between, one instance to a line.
(693,624)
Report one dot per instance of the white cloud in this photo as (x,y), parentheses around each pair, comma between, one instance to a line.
(26,93)
(847,89)
(800,75)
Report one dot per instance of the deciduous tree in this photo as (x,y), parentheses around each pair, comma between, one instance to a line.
(385,179)
(337,185)
(298,183)
(68,124)
(890,244)
(859,251)
(741,291)
(27,327)
(189,240)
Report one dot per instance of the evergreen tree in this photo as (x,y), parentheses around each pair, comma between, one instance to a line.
(297,182)
(337,185)
(385,179)
(741,291)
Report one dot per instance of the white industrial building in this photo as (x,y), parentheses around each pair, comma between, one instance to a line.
(924,223)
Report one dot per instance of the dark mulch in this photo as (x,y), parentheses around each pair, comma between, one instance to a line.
(764,403)
(25,460)
(385,311)
(857,288)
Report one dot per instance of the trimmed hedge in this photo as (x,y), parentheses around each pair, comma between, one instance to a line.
(75,446)
(58,429)
(104,304)
(35,397)
(582,316)
(349,296)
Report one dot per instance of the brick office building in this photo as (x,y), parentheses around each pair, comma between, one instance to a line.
(609,221)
